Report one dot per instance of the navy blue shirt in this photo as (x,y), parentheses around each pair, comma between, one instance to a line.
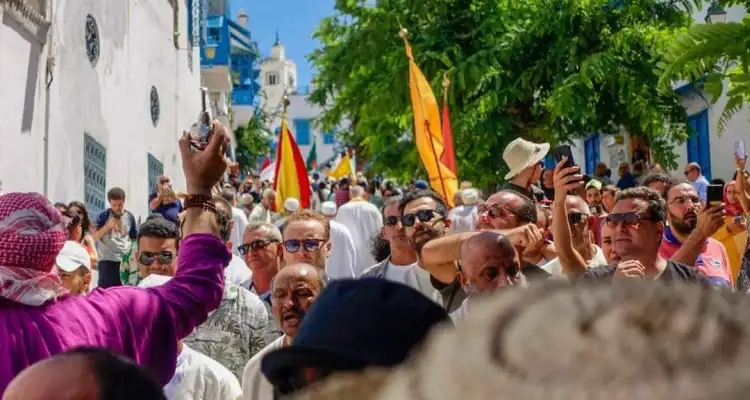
(169,211)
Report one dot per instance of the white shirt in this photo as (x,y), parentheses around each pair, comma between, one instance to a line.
(413,276)
(240,223)
(463,218)
(340,264)
(364,221)
(460,313)
(255,386)
(260,214)
(554,268)
(238,273)
(199,377)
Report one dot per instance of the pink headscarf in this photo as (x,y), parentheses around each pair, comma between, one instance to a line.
(732,209)
(32,232)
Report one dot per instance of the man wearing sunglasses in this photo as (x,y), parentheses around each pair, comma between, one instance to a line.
(637,223)
(401,265)
(261,250)
(571,225)
(306,239)
(157,247)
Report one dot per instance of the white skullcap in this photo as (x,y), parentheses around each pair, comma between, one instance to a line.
(154,280)
(246,199)
(328,208)
(470,196)
(291,204)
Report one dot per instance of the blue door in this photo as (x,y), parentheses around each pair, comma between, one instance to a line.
(591,153)
(699,143)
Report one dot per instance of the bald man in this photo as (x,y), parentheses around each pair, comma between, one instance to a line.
(85,374)
(293,291)
(488,262)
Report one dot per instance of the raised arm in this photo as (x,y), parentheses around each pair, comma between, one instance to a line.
(742,190)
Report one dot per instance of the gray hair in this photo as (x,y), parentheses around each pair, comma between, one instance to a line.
(356,191)
(272,232)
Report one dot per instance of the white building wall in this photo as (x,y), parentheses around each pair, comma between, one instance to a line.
(109,101)
(722,147)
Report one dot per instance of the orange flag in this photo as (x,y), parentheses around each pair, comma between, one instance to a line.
(290,179)
(427,132)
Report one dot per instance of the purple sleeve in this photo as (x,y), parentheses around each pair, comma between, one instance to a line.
(147,323)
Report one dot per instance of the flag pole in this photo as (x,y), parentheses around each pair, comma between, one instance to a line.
(403,33)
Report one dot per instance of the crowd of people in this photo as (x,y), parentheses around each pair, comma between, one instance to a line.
(378,291)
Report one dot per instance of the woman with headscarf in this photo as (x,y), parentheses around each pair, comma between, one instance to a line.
(734,229)
(164,201)
(40,319)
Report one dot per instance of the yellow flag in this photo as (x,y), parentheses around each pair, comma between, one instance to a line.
(343,169)
(427,133)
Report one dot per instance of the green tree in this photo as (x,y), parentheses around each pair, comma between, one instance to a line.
(252,141)
(540,69)
(714,54)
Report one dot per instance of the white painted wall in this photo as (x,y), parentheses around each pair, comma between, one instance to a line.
(722,147)
(109,101)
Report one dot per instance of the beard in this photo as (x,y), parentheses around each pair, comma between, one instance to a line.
(421,237)
(684,225)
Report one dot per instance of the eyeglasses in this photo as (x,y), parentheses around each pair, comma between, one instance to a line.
(682,200)
(576,218)
(310,245)
(255,245)
(148,259)
(631,219)
(391,220)
(422,215)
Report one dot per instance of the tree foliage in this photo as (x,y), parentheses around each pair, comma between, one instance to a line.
(252,141)
(714,54)
(540,69)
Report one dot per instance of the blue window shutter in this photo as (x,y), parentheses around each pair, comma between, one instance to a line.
(699,143)
(276,131)
(549,161)
(328,138)
(302,131)
(591,152)
(94,175)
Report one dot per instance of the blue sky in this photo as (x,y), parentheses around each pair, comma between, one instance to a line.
(295,21)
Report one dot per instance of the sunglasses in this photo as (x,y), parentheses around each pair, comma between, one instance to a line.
(391,221)
(630,219)
(421,215)
(255,245)
(310,245)
(576,218)
(497,211)
(148,259)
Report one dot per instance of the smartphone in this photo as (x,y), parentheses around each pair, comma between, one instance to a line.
(715,195)
(739,149)
(200,132)
(564,151)
(116,215)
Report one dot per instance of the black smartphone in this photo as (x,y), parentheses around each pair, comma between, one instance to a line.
(715,195)
(116,215)
(564,151)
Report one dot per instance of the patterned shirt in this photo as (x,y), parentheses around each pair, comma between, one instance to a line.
(236,331)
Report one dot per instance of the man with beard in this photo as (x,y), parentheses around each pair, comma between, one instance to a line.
(401,265)
(506,212)
(683,205)
(294,290)
(488,263)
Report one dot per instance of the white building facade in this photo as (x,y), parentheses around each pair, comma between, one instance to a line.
(278,77)
(713,152)
(95,94)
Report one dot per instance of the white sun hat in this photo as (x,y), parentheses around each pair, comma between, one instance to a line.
(521,154)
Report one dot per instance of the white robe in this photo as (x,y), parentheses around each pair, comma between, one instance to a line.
(198,376)
(238,273)
(240,223)
(340,264)
(255,386)
(364,221)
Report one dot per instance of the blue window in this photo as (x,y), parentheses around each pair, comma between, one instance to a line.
(276,131)
(699,143)
(549,161)
(155,168)
(328,138)
(591,153)
(302,129)
(94,175)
